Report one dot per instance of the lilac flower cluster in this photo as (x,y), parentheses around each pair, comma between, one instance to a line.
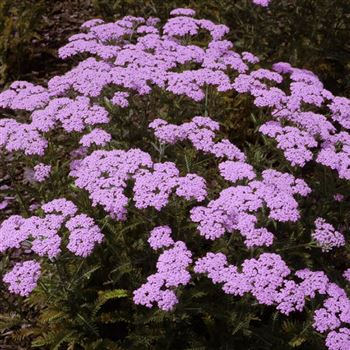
(266,279)
(338,340)
(263,3)
(200,131)
(153,59)
(335,310)
(24,95)
(41,172)
(160,237)
(15,136)
(234,171)
(42,234)
(296,129)
(346,274)
(73,116)
(326,236)
(22,279)
(84,235)
(235,205)
(231,212)
(104,174)
(293,142)
(171,271)
(96,137)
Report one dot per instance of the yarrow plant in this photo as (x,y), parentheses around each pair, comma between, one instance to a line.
(208,206)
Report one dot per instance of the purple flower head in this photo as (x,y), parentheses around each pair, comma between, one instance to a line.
(338,340)
(340,108)
(335,310)
(171,272)
(23,278)
(24,95)
(326,236)
(293,142)
(263,3)
(60,206)
(43,233)
(83,235)
(183,12)
(121,99)
(249,57)
(15,136)
(72,114)
(12,233)
(42,172)
(160,237)
(201,132)
(97,137)
(234,171)
(153,188)
(346,274)
(234,208)
(338,197)
(191,186)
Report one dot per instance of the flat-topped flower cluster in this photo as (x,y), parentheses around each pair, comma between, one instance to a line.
(133,57)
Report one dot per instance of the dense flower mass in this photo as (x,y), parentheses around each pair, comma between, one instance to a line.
(266,279)
(104,174)
(201,132)
(235,205)
(234,171)
(171,273)
(338,340)
(96,137)
(125,61)
(41,172)
(44,237)
(84,235)
(263,3)
(160,237)
(326,236)
(22,279)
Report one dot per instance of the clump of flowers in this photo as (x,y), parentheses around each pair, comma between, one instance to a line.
(171,271)
(160,237)
(73,123)
(41,172)
(22,279)
(263,3)
(96,137)
(104,174)
(346,274)
(326,236)
(44,237)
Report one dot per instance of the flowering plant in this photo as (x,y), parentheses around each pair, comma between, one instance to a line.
(128,167)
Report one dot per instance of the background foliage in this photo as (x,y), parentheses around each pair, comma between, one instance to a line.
(86,303)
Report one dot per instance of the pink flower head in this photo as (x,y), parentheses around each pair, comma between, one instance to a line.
(346,274)
(42,172)
(97,136)
(160,237)
(326,236)
(22,279)
(183,12)
(263,3)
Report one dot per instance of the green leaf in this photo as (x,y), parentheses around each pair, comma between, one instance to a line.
(104,296)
